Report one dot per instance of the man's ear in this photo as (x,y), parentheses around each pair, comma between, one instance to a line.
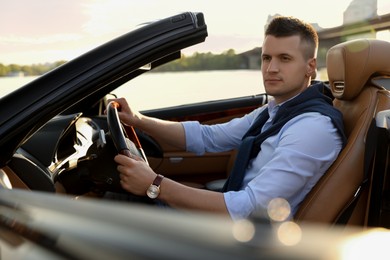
(312,68)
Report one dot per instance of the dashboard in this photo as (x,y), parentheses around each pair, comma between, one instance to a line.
(75,151)
(58,148)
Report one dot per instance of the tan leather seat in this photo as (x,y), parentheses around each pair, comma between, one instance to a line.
(352,67)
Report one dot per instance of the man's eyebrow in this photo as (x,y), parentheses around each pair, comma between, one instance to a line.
(277,55)
(284,54)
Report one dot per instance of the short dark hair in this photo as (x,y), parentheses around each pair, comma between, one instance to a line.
(284,26)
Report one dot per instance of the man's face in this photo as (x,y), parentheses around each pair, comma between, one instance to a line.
(284,68)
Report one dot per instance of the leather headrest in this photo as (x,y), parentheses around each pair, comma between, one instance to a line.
(351,64)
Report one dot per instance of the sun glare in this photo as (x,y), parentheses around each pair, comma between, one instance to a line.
(367,245)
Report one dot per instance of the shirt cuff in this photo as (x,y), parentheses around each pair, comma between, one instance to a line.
(193,135)
(238,204)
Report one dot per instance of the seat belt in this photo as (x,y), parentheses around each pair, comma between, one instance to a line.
(370,147)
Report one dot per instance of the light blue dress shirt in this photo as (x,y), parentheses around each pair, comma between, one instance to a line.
(289,164)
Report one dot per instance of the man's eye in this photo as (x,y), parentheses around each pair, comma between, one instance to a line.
(265,58)
(285,58)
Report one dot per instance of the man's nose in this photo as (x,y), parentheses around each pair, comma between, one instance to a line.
(273,66)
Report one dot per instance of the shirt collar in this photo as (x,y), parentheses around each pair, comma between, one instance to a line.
(273,107)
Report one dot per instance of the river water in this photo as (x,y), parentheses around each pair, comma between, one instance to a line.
(156,90)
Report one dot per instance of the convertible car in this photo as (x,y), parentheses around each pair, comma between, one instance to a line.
(57,147)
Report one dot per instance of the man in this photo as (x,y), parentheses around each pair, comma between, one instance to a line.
(284,147)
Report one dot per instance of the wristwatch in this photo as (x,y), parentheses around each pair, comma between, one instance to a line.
(154,189)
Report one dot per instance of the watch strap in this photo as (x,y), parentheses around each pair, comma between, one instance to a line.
(157,181)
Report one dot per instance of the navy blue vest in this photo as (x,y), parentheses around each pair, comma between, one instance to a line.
(316,98)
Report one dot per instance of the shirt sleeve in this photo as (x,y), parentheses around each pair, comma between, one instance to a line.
(288,165)
(219,137)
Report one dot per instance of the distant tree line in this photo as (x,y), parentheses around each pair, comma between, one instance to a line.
(28,70)
(227,60)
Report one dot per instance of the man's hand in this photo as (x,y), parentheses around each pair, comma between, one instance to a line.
(127,115)
(135,174)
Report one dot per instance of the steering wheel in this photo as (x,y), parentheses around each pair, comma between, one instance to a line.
(124,145)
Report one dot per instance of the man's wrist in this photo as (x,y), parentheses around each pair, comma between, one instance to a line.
(154,189)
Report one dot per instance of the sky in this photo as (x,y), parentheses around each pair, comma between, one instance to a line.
(39,31)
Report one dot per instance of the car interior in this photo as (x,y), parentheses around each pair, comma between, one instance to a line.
(352,192)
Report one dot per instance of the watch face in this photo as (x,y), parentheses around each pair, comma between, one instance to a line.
(153,191)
